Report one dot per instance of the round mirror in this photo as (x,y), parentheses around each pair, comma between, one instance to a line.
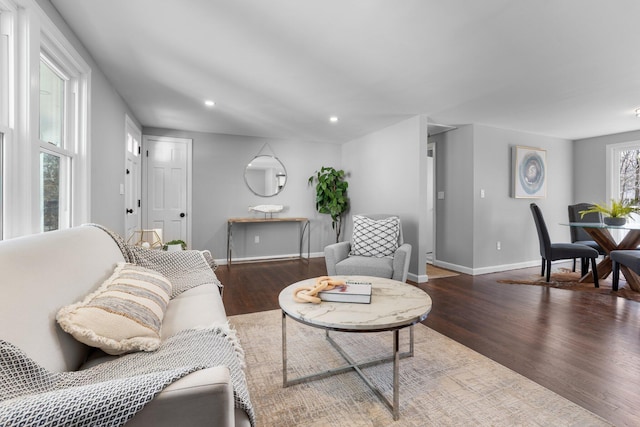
(265,175)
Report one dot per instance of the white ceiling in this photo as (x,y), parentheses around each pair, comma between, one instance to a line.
(280,68)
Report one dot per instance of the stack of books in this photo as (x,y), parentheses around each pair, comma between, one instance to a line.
(353,291)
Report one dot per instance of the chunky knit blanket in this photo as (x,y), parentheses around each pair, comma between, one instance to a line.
(111,393)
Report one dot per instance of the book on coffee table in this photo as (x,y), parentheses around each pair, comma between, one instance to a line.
(352,291)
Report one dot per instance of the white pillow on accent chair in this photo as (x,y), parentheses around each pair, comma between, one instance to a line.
(374,238)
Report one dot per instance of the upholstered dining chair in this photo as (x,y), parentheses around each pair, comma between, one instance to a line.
(578,234)
(376,249)
(556,251)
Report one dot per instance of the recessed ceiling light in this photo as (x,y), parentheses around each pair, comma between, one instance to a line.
(638,112)
(333,119)
(209,103)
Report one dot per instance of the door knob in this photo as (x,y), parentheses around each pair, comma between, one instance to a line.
(182,215)
(129,210)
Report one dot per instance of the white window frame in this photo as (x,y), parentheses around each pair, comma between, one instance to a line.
(33,32)
(613,171)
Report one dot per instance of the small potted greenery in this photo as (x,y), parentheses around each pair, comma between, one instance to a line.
(175,245)
(614,214)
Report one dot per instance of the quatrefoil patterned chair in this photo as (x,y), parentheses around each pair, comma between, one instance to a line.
(376,249)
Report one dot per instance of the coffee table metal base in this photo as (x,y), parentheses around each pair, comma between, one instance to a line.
(394,406)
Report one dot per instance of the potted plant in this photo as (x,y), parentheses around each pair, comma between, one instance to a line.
(614,214)
(331,195)
(175,245)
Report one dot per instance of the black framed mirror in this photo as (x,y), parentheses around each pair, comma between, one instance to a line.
(265,175)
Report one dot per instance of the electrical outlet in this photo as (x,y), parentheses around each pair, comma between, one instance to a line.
(498,246)
(256,239)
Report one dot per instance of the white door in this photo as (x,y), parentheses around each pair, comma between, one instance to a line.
(132,179)
(167,186)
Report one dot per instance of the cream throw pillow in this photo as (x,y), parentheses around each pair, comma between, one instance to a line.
(124,315)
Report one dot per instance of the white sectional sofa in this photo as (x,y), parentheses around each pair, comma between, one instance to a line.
(43,273)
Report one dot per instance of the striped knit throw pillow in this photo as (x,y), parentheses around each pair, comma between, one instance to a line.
(124,315)
(375,238)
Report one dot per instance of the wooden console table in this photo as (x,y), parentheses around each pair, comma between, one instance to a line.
(304,225)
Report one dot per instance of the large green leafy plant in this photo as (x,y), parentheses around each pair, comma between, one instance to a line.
(331,195)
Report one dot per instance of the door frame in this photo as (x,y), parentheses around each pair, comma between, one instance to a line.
(131,127)
(145,183)
(431,146)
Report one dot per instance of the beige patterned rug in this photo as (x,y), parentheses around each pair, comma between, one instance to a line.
(444,384)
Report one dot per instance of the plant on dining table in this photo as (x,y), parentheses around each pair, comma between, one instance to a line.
(620,209)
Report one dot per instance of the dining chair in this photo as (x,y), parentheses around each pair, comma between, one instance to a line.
(629,258)
(556,251)
(578,234)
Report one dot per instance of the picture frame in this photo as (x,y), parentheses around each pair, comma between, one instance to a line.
(529,173)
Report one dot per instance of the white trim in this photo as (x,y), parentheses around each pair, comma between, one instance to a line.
(612,160)
(223,261)
(31,32)
(486,270)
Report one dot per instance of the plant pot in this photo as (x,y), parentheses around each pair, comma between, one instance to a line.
(617,221)
(174,248)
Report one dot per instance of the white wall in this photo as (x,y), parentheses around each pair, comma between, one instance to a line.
(385,176)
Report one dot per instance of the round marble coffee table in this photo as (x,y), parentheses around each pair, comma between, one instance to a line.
(394,306)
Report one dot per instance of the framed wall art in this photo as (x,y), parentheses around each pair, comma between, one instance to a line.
(529,173)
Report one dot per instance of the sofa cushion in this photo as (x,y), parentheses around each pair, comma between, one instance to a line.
(125,314)
(365,266)
(375,238)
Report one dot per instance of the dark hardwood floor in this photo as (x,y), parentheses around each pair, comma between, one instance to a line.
(581,345)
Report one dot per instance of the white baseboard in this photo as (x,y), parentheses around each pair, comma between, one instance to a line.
(223,261)
(486,270)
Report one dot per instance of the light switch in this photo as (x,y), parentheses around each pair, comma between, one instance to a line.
(482,193)
(440,195)
(121,189)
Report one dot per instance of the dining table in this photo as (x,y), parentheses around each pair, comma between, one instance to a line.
(601,234)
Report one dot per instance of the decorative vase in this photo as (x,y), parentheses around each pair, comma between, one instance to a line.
(616,221)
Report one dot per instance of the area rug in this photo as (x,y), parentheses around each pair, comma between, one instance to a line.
(434,272)
(444,384)
(564,278)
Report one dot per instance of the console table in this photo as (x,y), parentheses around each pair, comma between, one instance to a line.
(304,226)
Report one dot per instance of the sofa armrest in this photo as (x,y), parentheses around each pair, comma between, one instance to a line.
(401,260)
(335,253)
(202,398)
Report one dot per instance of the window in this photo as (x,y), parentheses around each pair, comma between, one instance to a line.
(56,158)
(45,143)
(628,174)
(624,173)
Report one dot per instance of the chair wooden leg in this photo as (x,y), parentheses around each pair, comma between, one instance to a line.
(594,270)
(616,275)
(543,264)
(574,265)
(548,270)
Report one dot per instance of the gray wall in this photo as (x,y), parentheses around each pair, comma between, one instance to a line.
(477,157)
(589,162)
(385,176)
(107,133)
(219,192)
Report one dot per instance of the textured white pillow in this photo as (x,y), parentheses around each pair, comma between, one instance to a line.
(124,315)
(375,238)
